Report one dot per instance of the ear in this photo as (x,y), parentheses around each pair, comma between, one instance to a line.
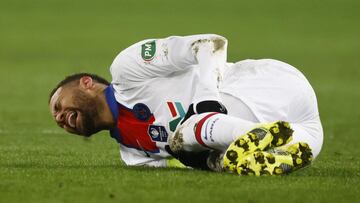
(86,82)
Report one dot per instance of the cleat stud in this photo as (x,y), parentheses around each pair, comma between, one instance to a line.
(270,159)
(264,173)
(297,160)
(232,156)
(275,130)
(259,158)
(278,170)
(304,145)
(293,150)
(253,137)
(238,143)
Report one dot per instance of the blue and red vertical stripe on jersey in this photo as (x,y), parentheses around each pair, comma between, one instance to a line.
(131,125)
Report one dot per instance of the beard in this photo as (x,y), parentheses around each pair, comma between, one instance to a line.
(88,107)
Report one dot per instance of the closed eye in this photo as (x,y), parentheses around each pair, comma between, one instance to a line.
(56,108)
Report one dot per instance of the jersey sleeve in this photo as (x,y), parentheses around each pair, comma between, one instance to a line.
(161,57)
(132,157)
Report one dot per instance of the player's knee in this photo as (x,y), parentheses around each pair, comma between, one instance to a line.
(315,130)
(318,142)
(310,133)
(176,142)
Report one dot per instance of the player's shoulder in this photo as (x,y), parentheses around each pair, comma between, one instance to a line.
(129,57)
(132,51)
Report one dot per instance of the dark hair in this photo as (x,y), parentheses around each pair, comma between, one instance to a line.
(77,76)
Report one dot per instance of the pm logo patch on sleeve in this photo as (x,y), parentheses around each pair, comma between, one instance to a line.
(148,50)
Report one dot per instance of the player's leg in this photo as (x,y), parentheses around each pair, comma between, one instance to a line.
(294,102)
(300,152)
(227,134)
(240,139)
(276,158)
(205,99)
(305,146)
(208,131)
(237,108)
(217,131)
(210,68)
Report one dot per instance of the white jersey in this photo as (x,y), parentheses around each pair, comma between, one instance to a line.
(155,79)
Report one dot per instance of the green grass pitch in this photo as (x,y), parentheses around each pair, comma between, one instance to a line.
(42,41)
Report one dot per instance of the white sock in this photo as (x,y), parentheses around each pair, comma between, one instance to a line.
(212,131)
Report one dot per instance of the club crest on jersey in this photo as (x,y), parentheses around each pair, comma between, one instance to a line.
(158,133)
(177,112)
(141,112)
(148,50)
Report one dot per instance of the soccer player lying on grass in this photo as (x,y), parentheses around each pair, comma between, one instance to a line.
(178,97)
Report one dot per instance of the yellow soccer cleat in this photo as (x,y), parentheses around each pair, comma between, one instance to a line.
(277,161)
(260,138)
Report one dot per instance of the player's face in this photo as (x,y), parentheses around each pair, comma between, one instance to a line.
(74,110)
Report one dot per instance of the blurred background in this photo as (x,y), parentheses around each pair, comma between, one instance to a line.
(43,41)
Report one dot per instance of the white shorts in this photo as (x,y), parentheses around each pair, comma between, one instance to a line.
(268,90)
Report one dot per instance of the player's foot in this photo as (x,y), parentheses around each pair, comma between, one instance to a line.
(277,161)
(260,138)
